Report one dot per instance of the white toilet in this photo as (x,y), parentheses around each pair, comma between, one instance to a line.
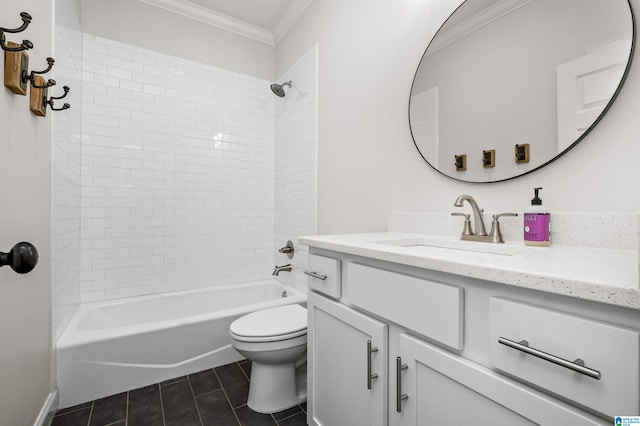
(275,339)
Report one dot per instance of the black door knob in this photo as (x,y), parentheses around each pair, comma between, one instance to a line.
(22,258)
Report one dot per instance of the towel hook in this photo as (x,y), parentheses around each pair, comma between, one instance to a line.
(53,98)
(32,76)
(26,44)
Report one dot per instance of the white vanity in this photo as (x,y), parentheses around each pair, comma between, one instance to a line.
(409,329)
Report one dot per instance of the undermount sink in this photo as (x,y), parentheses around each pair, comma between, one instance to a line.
(453,244)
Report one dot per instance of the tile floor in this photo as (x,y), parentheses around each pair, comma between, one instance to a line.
(211,397)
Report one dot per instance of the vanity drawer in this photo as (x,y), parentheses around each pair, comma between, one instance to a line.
(611,354)
(323,275)
(427,307)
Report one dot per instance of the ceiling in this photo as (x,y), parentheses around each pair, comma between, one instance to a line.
(263,20)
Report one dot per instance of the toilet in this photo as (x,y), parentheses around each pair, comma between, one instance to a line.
(275,340)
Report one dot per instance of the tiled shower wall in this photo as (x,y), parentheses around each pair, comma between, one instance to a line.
(295,164)
(65,167)
(177,173)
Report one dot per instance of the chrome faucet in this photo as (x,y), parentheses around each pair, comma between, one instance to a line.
(477,214)
(495,236)
(286,268)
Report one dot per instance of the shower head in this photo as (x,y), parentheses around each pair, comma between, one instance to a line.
(278,89)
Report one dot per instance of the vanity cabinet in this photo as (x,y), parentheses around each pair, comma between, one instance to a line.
(347,353)
(591,363)
(401,346)
(443,388)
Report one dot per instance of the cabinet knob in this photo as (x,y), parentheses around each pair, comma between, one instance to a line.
(22,258)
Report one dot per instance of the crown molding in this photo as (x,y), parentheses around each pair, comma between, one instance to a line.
(475,22)
(208,16)
(288,18)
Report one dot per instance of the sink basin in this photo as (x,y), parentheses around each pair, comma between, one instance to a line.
(453,244)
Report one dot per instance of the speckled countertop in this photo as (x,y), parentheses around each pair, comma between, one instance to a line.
(599,274)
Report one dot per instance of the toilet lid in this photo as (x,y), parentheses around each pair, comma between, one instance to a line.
(272,322)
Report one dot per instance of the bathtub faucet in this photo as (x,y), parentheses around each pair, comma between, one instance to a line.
(286,268)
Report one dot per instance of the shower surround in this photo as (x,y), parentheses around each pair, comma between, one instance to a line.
(178,173)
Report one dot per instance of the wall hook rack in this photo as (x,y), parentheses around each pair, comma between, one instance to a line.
(26,44)
(39,97)
(32,76)
(54,98)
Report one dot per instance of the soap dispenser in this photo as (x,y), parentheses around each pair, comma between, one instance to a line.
(537,223)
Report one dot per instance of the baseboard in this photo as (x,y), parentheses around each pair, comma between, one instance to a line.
(45,417)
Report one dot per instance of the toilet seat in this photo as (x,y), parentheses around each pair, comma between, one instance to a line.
(269,325)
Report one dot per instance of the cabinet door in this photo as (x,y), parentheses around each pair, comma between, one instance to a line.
(339,361)
(443,388)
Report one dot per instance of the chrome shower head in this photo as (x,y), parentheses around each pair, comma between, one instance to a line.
(278,89)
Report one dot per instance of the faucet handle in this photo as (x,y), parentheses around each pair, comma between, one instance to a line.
(288,249)
(495,234)
(467,223)
(498,216)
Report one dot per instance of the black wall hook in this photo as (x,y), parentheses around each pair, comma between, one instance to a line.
(53,98)
(49,83)
(26,44)
(32,76)
(22,258)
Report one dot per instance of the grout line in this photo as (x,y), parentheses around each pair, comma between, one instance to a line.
(90,412)
(292,415)
(72,411)
(173,381)
(243,372)
(126,412)
(195,402)
(226,396)
(164,423)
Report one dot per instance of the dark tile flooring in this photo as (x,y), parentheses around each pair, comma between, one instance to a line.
(211,397)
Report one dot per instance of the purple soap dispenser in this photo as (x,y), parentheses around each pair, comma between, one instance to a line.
(537,223)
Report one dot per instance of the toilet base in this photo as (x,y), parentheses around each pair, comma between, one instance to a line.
(275,388)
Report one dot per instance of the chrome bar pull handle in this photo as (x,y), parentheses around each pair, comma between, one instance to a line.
(370,376)
(400,367)
(577,365)
(316,275)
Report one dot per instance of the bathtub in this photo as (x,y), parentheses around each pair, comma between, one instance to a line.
(114,346)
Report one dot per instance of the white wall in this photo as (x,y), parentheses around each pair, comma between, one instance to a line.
(140,24)
(25,209)
(367,163)
(177,173)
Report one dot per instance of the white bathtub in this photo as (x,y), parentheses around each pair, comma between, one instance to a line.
(111,347)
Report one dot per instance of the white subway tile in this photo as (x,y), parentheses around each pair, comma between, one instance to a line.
(202,177)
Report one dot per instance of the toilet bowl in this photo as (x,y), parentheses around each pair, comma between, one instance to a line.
(275,340)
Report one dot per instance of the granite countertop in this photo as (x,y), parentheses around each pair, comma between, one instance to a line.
(599,274)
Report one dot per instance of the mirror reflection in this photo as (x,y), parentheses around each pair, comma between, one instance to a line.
(505,73)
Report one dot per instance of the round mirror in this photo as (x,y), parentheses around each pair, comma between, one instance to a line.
(507,86)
